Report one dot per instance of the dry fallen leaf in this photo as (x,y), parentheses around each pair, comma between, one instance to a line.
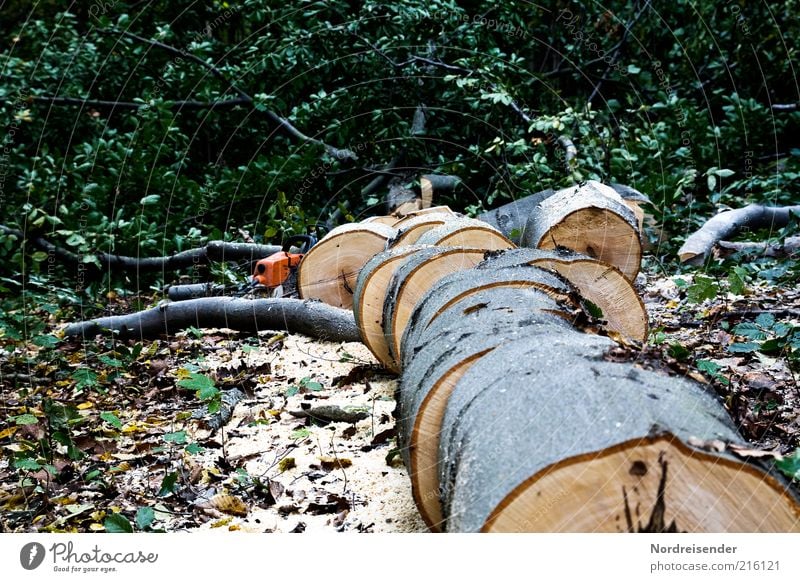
(229,504)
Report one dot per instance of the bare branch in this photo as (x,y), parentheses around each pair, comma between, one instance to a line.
(311,318)
(213,251)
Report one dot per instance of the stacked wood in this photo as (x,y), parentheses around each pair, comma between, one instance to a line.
(513,420)
(329,270)
(591,219)
(512,416)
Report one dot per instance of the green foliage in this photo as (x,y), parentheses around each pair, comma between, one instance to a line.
(111,419)
(790,466)
(769,336)
(205,390)
(117,523)
(144,518)
(690,126)
(713,370)
(168,485)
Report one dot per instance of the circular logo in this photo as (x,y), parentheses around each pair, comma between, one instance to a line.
(31,555)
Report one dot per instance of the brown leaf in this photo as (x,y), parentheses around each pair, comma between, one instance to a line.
(327,503)
(331,463)
(229,504)
(383,436)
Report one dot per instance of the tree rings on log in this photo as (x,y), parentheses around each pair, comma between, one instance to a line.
(603,285)
(463,284)
(466,232)
(410,229)
(591,219)
(466,331)
(370,294)
(329,270)
(518,455)
(411,281)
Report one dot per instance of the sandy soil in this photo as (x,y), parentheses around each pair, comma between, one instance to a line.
(339,479)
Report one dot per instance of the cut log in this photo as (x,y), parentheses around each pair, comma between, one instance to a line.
(369,297)
(466,232)
(620,457)
(463,333)
(511,218)
(431,185)
(411,228)
(590,219)
(698,246)
(247,315)
(603,285)
(328,271)
(412,279)
(463,284)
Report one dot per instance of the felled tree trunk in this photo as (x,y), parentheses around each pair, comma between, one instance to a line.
(726,224)
(444,350)
(369,297)
(511,419)
(622,311)
(410,228)
(412,279)
(311,318)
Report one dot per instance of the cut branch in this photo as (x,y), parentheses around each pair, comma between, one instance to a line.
(698,246)
(213,251)
(310,318)
(789,247)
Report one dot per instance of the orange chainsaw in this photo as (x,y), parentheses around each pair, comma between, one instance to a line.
(278,272)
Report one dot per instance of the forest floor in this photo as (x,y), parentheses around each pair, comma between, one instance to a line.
(110,436)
